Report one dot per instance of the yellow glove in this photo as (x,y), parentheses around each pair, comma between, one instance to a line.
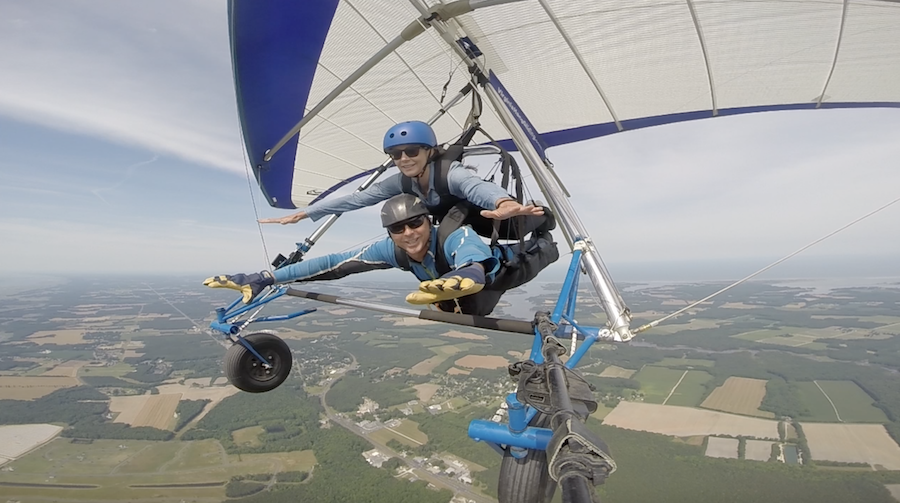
(248,284)
(466,281)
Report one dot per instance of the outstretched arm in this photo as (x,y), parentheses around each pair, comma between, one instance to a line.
(378,192)
(378,255)
(466,184)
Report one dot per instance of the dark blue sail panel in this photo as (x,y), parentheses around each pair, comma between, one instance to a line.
(566,136)
(275,49)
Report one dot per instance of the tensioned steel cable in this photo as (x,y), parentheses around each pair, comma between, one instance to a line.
(764,269)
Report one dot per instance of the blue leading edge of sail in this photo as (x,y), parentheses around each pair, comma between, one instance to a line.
(275,49)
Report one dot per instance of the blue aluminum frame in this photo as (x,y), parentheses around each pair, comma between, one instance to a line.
(226,318)
(516,433)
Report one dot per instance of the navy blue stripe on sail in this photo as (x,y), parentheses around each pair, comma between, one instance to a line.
(566,136)
(275,49)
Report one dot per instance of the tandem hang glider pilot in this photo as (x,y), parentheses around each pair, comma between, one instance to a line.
(440,185)
(461,274)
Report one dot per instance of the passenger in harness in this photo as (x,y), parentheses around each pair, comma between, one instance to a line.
(441,182)
(459,273)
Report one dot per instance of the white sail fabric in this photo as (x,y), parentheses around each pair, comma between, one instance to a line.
(644,59)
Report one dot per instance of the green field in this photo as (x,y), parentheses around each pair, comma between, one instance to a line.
(407,433)
(853,404)
(117,370)
(815,402)
(684,362)
(115,466)
(691,391)
(657,382)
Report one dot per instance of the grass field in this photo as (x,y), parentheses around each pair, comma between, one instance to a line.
(820,409)
(116,465)
(614,371)
(407,433)
(657,382)
(425,366)
(739,395)
(852,403)
(684,362)
(157,411)
(117,370)
(29,388)
(247,436)
(690,391)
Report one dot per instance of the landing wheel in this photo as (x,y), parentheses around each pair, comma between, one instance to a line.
(247,373)
(526,480)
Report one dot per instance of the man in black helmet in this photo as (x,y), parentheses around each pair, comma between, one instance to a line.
(461,274)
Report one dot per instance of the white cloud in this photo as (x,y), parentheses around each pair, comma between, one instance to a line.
(150,74)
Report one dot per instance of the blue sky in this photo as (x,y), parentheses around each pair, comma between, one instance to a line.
(120,152)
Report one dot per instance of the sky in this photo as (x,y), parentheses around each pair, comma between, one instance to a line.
(120,152)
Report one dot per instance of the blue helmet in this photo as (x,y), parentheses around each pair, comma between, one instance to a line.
(410,133)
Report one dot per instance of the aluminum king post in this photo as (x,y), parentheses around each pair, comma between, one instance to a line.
(618,315)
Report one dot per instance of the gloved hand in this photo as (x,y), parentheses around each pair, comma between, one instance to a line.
(453,285)
(248,284)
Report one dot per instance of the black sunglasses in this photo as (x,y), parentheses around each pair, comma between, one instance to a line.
(397,153)
(412,223)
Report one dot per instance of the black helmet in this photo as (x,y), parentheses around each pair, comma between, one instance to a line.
(401,208)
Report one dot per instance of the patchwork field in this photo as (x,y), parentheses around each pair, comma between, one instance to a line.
(66,369)
(684,362)
(29,388)
(657,382)
(757,450)
(456,334)
(426,391)
(718,447)
(115,469)
(613,371)
(848,402)
(61,337)
(739,395)
(247,436)
(407,433)
(482,362)
(853,443)
(16,440)
(425,366)
(157,411)
(686,422)
(690,390)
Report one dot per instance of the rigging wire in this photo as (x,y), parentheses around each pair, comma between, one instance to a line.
(764,269)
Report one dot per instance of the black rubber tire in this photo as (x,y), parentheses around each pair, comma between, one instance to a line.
(526,480)
(245,371)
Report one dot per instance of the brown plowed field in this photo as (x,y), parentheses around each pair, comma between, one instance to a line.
(156,411)
(29,388)
(852,443)
(739,395)
(687,421)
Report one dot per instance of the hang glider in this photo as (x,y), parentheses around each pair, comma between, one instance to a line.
(580,69)
(318,83)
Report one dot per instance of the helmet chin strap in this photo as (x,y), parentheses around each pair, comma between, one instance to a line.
(425,167)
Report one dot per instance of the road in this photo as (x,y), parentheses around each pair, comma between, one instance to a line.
(417,468)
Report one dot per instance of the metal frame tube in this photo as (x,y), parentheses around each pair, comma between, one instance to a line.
(617,314)
(488,431)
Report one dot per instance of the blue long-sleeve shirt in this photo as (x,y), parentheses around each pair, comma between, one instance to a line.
(462,182)
(462,247)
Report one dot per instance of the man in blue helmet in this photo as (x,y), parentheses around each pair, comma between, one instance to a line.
(459,273)
(414,148)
